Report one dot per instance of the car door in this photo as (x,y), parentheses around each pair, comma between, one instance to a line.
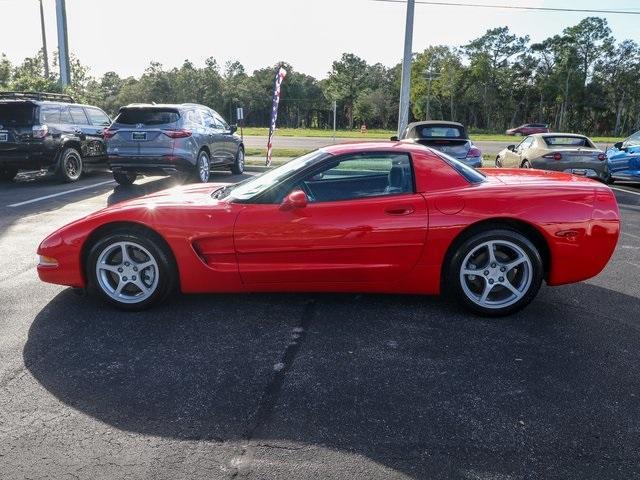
(98,121)
(512,157)
(91,144)
(363,223)
(626,161)
(215,139)
(229,145)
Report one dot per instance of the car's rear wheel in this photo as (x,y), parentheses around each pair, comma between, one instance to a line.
(498,162)
(495,272)
(8,173)
(125,178)
(203,168)
(238,165)
(70,165)
(132,271)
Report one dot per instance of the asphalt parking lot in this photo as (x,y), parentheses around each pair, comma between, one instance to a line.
(309,386)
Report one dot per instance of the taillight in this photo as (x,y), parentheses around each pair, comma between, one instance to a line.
(108,133)
(555,156)
(474,152)
(177,133)
(602,157)
(39,131)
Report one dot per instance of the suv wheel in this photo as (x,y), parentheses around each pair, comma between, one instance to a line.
(238,165)
(70,165)
(125,178)
(203,168)
(8,173)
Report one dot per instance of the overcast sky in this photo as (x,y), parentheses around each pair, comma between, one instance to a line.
(125,35)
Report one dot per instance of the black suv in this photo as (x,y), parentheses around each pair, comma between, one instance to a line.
(46,130)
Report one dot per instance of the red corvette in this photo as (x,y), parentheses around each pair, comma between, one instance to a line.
(374,217)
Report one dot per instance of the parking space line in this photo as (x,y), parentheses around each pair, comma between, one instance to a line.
(625,190)
(45,197)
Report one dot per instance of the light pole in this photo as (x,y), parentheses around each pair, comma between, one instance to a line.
(405,84)
(45,53)
(63,43)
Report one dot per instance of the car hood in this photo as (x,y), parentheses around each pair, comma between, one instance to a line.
(176,196)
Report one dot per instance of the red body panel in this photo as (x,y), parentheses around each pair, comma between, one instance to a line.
(394,244)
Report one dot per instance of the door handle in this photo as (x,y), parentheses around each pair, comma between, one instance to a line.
(399,210)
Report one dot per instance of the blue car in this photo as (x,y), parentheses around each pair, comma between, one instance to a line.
(623,160)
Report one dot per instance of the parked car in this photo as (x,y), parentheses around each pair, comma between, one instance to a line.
(188,138)
(363,217)
(561,152)
(529,129)
(448,137)
(46,130)
(623,160)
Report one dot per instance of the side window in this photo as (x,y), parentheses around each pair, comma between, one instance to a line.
(220,121)
(65,116)
(78,116)
(98,117)
(193,117)
(359,176)
(208,119)
(50,114)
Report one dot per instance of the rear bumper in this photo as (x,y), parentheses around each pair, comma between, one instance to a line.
(27,158)
(165,164)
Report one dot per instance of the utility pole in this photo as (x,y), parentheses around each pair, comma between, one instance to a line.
(405,85)
(63,43)
(45,52)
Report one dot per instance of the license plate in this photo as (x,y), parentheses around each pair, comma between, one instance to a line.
(579,171)
(139,135)
(4,137)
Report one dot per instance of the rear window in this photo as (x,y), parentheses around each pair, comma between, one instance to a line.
(440,131)
(147,116)
(17,114)
(567,142)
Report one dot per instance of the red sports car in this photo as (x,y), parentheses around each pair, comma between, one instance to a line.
(370,217)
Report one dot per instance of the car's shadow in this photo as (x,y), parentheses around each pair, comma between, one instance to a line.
(410,383)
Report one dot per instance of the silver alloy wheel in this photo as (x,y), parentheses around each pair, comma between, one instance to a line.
(241,159)
(496,274)
(72,165)
(203,167)
(127,272)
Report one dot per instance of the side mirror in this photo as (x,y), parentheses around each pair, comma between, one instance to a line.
(233,128)
(618,145)
(511,148)
(394,138)
(296,199)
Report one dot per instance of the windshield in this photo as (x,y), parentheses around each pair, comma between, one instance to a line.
(255,186)
(568,142)
(633,140)
(470,173)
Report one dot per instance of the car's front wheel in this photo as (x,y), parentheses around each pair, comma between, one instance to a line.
(125,178)
(495,272)
(238,165)
(526,164)
(498,162)
(70,165)
(8,173)
(132,271)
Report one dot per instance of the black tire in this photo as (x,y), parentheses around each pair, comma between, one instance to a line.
(238,165)
(8,173)
(529,275)
(166,268)
(610,180)
(498,162)
(70,165)
(526,164)
(125,178)
(202,171)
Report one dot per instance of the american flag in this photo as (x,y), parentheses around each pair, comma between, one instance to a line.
(277,82)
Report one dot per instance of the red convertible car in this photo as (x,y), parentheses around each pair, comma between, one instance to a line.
(386,217)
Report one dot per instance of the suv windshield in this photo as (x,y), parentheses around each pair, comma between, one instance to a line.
(256,185)
(17,114)
(147,116)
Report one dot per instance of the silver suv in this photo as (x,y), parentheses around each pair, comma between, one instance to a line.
(187,138)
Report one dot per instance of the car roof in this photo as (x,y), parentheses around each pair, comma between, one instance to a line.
(556,134)
(434,122)
(44,102)
(176,106)
(377,146)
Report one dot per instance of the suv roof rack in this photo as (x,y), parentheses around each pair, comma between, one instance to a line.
(55,97)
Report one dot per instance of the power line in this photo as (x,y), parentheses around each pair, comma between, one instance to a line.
(515,7)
